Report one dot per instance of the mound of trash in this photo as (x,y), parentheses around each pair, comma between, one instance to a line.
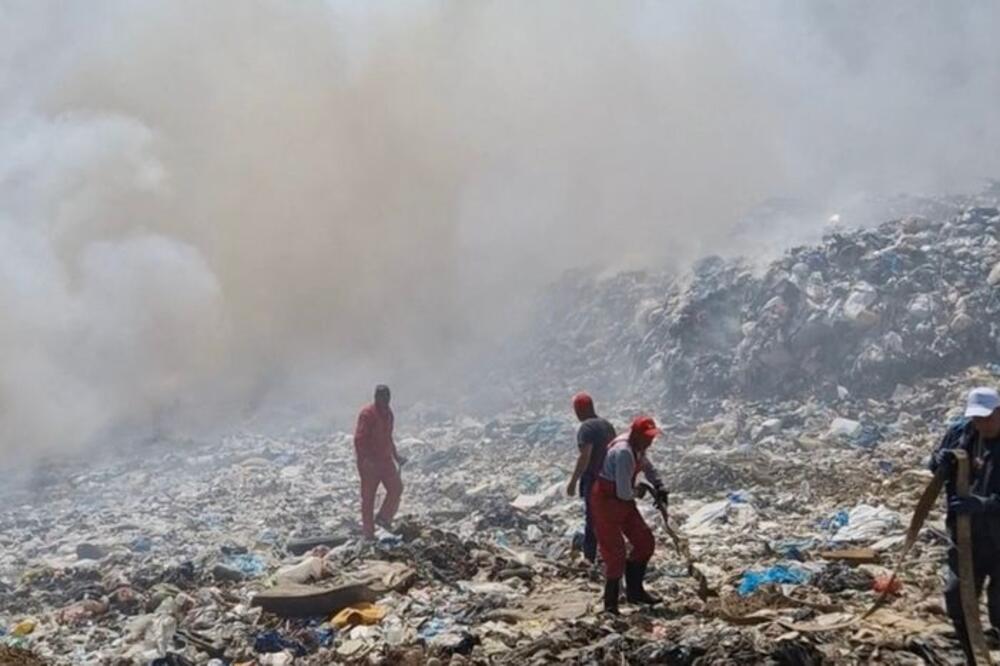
(864,309)
(247,551)
(801,402)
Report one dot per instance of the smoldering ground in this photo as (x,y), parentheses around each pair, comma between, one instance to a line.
(214,212)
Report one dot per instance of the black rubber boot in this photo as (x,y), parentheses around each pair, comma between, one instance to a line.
(635,572)
(612,587)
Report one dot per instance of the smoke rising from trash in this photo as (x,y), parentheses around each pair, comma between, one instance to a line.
(216,213)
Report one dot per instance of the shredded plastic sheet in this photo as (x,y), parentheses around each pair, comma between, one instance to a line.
(778,574)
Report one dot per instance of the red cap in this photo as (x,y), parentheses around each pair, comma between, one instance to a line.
(583,405)
(645,426)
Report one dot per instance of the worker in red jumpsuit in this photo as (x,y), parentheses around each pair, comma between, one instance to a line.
(617,519)
(378,462)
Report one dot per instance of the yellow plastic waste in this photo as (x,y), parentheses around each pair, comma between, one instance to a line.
(35,574)
(23,628)
(359,613)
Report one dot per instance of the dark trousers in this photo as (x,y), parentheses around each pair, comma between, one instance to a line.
(589,536)
(985,564)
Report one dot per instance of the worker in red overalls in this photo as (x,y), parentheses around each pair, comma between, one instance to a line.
(617,519)
(378,462)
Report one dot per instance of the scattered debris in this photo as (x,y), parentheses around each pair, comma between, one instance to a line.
(800,402)
(852,555)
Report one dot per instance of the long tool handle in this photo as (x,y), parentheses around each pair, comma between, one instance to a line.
(966,574)
(683,549)
(920,512)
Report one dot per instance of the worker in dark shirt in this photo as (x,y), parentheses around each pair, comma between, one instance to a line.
(592,440)
(978,434)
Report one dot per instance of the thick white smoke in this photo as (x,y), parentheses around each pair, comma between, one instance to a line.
(216,211)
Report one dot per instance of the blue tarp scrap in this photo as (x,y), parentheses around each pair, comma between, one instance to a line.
(778,574)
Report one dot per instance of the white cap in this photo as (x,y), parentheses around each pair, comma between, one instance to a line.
(982,401)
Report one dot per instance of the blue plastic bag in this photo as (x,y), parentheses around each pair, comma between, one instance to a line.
(836,521)
(793,549)
(778,574)
(432,627)
(250,564)
(324,635)
(272,641)
(739,497)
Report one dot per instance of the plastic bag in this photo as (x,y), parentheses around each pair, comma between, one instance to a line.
(778,574)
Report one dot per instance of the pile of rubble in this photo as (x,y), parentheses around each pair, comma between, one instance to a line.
(246,552)
(803,401)
(865,309)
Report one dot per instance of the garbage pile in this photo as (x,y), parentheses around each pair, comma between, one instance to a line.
(247,552)
(829,376)
(584,332)
(865,309)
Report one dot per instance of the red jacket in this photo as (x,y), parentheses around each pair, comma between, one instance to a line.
(373,436)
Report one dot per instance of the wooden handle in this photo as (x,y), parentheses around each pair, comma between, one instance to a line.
(966,574)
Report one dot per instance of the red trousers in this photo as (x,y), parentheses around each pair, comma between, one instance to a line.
(615,521)
(374,473)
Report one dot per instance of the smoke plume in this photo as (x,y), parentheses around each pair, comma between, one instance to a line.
(215,212)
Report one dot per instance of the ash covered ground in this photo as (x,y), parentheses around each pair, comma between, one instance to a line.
(800,400)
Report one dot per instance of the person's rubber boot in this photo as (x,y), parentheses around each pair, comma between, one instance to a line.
(589,548)
(635,572)
(612,587)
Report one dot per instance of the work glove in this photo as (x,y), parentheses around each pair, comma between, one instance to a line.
(944,462)
(661,495)
(974,505)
